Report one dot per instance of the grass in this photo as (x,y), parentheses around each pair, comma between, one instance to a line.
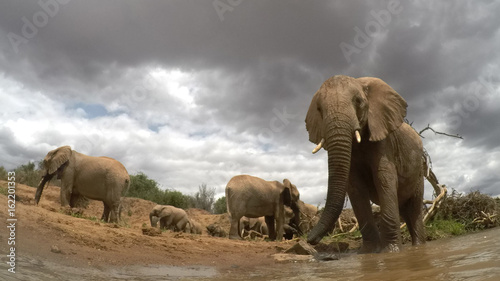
(444,228)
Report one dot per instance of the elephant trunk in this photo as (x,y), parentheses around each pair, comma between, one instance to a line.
(41,186)
(338,141)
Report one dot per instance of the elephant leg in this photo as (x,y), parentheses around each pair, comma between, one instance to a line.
(66,190)
(169,224)
(114,211)
(105,213)
(181,226)
(386,182)
(412,213)
(235,226)
(65,196)
(280,222)
(270,227)
(163,222)
(358,194)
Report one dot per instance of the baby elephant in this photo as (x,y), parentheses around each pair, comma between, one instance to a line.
(194,227)
(170,217)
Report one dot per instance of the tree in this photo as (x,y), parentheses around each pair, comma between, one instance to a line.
(143,187)
(204,198)
(27,174)
(174,198)
(220,206)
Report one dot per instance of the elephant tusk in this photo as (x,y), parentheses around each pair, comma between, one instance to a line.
(358,136)
(318,147)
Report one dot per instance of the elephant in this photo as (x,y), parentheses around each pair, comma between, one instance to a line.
(372,155)
(254,197)
(307,216)
(194,227)
(170,217)
(253,224)
(98,178)
(290,228)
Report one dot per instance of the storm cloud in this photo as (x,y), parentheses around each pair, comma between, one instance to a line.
(193,92)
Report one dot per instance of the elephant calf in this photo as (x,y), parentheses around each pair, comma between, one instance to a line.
(194,227)
(170,217)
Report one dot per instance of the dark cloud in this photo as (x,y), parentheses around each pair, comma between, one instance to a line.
(148,76)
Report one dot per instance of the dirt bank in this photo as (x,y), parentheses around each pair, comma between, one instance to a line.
(45,232)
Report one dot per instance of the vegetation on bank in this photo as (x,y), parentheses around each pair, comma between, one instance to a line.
(458,214)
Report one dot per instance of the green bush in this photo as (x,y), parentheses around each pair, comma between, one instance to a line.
(28,174)
(220,206)
(143,187)
(174,198)
(3,173)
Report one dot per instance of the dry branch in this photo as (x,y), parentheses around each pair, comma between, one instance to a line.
(438,133)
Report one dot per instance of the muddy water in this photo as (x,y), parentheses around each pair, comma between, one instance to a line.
(471,257)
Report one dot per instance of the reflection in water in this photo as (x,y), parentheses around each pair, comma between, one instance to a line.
(471,257)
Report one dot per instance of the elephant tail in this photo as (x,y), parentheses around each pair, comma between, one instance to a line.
(126,186)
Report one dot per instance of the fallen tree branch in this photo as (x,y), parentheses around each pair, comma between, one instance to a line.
(439,133)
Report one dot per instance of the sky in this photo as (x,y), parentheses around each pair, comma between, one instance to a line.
(193,92)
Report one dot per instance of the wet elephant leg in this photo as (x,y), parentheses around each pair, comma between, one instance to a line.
(367,226)
(386,182)
(411,211)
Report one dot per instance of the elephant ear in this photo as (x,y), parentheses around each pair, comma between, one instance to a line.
(387,108)
(294,192)
(314,121)
(286,195)
(56,158)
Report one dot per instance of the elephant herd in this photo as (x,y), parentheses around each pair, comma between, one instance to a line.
(298,217)
(374,156)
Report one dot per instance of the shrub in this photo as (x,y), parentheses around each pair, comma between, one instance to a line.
(466,208)
(28,174)
(220,206)
(3,173)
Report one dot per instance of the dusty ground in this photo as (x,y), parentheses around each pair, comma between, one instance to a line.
(47,233)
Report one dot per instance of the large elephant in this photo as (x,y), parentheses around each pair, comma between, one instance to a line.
(170,217)
(373,155)
(98,178)
(254,197)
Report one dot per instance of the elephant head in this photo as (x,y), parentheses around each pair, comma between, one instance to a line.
(344,112)
(54,163)
(294,206)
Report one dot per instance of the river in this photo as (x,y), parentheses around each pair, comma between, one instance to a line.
(470,257)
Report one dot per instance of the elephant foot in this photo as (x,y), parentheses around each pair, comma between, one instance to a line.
(391,248)
(369,248)
(235,237)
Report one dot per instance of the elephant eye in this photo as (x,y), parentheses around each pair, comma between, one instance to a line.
(320,111)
